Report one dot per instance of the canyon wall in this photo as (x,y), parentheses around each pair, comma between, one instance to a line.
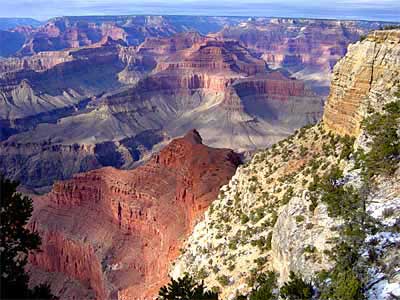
(103,95)
(112,233)
(272,216)
(361,79)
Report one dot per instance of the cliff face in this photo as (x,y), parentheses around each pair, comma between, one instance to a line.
(115,232)
(214,56)
(189,81)
(298,42)
(261,221)
(74,32)
(268,218)
(126,75)
(52,80)
(361,79)
(308,48)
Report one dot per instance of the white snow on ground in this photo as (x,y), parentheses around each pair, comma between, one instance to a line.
(385,207)
(384,240)
(383,290)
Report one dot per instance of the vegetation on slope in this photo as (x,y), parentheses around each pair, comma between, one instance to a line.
(242,219)
(185,288)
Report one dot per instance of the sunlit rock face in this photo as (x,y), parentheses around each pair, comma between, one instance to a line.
(369,70)
(110,234)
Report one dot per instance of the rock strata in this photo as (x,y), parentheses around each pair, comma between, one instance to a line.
(111,234)
(370,69)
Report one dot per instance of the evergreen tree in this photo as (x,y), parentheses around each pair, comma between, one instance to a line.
(16,242)
(296,289)
(185,289)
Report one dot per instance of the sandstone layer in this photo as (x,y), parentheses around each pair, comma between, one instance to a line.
(370,69)
(74,32)
(111,234)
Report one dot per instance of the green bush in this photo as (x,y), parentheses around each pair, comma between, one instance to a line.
(347,146)
(244,218)
(287,196)
(383,157)
(268,244)
(341,201)
(223,280)
(185,288)
(343,285)
(266,289)
(296,288)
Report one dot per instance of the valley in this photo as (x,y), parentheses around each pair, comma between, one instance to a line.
(256,157)
(80,85)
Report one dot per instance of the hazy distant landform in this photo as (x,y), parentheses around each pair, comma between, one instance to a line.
(383,10)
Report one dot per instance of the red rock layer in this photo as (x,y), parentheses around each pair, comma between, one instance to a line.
(117,231)
(74,32)
(274,86)
(214,56)
(297,42)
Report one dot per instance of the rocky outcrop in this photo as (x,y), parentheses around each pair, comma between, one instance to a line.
(268,217)
(298,42)
(115,232)
(368,72)
(261,221)
(215,57)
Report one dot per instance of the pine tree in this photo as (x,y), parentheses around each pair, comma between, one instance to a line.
(185,289)
(16,242)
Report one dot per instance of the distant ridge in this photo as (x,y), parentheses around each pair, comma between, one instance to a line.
(9,23)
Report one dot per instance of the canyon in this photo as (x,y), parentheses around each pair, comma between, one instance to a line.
(157,146)
(110,234)
(73,32)
(158,90)
(117,234)
(272,215)
(87,92)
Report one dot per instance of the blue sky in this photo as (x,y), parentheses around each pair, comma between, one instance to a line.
(388,10)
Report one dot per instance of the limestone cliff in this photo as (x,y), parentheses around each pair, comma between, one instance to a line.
(361,79)
(269,218)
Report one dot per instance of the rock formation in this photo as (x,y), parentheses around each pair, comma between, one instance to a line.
(268,218)
(364,74)
(74,32)
(309,48)
(111,234)
(123,77)
(190,81)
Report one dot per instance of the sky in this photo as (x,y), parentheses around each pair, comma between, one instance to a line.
(383,10)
